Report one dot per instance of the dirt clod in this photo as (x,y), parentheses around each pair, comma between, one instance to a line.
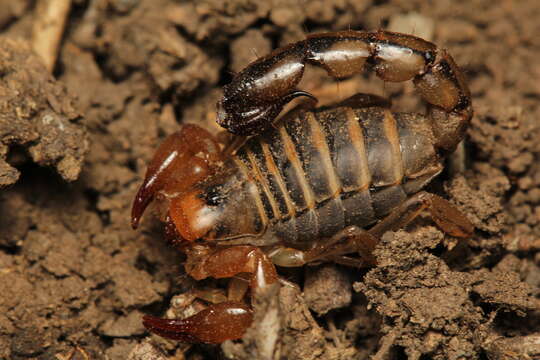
(435,310)
(146,351)
(37,113)
(519,347)
(327,288)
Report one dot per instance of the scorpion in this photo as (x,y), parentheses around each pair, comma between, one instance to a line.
(315,185)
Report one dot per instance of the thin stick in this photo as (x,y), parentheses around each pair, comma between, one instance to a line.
(50,18)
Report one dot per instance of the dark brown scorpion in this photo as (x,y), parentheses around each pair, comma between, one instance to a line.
(319,184)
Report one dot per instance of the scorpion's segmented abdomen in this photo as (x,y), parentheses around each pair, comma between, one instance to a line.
(322,171)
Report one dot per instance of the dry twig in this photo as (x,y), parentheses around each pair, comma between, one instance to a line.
(50,18)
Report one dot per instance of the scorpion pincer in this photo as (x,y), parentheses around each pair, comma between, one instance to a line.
(319,184)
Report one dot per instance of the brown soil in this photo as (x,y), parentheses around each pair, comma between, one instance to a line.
(75,279)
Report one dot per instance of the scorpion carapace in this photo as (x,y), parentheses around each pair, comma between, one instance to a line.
(319,185)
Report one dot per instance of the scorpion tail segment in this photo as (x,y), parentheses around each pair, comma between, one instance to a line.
(443,86)
(254,97)
(213,325)
(183,159)
(249,120)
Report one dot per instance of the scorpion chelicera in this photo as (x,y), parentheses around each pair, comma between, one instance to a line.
(318,184)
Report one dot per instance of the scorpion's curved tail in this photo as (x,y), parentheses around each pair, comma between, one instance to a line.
(253,99)
(444,88)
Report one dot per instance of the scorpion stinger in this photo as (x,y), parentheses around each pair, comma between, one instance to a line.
(257,116)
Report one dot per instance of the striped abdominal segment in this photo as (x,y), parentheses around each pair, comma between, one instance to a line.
(321,171)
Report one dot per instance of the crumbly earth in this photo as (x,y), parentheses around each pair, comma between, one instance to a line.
(37,113)
(75,279)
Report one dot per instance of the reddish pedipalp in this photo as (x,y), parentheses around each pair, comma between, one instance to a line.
(184,158)
(213,325)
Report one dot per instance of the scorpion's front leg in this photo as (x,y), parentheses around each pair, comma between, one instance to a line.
(224,321)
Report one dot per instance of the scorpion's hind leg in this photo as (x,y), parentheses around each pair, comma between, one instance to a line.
(184,158)
(227,320)
(447,217)
(357,240)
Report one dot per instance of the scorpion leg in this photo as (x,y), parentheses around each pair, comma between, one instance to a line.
(237,288)
(233,145)
(224,321)
(234,260)
(447,217)
(184,158)
(354,239)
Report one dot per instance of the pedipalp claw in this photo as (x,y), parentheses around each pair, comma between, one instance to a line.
(213,325)
(174,329)
(184,158)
